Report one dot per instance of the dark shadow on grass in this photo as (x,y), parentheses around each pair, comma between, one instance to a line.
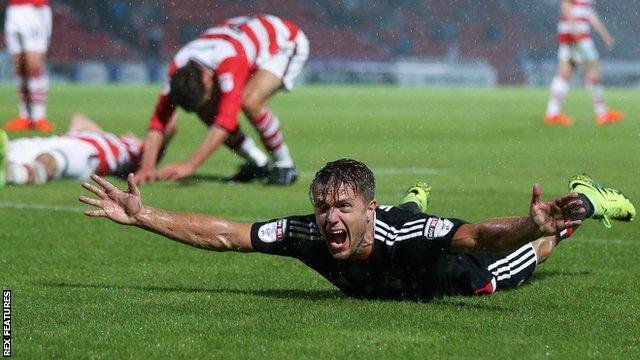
(542,274)
(271,293)
(195,179)
(464,305)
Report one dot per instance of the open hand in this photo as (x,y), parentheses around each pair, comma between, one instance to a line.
(112,202)
(551,217)
(177,171)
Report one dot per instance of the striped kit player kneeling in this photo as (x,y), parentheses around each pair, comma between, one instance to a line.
(234,67)
(383,252)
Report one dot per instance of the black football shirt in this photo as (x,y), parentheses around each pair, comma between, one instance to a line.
(410,258)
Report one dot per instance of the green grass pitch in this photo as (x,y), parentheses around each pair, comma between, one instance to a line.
(89,288)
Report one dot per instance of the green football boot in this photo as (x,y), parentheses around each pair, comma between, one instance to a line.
(4,152)
(608,204)
(419,193)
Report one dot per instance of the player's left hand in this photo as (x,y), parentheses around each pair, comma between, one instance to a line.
(551,217)
(177,171)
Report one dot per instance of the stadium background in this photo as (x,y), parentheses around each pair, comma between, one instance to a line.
(87,288)
(120,40)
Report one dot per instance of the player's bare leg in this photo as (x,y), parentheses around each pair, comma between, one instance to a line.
(33,86)
(259,89)
(544,247)
(81,122)
(559,88)
(593,83)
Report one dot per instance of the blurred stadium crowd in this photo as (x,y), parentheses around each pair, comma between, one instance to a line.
(503,32)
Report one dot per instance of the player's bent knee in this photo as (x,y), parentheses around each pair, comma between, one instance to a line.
(252,106)
(35,63)
(49,163)
(594,77)
(565,73)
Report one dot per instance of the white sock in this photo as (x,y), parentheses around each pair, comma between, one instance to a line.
(597,97)
(559,89)
(17,174)
(23,174)
(38,87)
(282,156)
(39,173)
(250,152)
(268,127)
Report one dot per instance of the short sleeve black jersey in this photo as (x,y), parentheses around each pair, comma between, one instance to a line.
(407,247)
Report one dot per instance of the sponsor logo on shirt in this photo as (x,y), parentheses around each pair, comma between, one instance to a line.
(226,82)
(273,231)
(437,227)
(280,224)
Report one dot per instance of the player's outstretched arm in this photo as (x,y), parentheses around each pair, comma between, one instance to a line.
(176,171)
(504,234)
(601,29)
(147,171)
(206,232)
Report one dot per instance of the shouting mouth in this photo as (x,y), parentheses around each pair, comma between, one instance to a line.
(337,239)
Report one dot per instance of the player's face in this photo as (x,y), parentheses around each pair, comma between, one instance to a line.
(345,221)
(208,82)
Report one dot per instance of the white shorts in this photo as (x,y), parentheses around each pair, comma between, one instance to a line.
(76,159)
(287,64)
(578,53)
(27,28)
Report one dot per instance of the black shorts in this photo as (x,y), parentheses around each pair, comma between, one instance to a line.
(483,273)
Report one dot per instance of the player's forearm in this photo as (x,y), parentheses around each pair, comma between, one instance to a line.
(497,235)
(205,232)
(211,143)
(599,27)
(152,144)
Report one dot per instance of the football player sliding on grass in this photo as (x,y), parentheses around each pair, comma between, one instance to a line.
(384,252)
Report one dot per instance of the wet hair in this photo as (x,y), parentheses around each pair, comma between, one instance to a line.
(346,172)
(187,89)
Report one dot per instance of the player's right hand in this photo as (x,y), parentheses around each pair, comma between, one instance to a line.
(145,175)
(551,217)
(113,203)
(609,41)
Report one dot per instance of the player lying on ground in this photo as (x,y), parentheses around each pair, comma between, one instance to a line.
(238,65)
(389,252)
(84,150)
(576,48)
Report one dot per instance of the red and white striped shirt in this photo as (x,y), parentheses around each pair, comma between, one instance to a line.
(233,50)
(118,155)
(36,3)
(581,11)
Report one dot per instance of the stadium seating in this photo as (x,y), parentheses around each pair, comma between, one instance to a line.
(501,32)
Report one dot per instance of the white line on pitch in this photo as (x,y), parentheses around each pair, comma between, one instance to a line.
(19,206)
(607,241)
